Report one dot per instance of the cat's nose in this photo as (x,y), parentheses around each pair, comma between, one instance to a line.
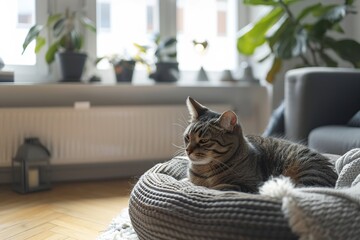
(189,150)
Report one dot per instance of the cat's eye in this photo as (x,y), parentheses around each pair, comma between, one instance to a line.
(187,137)
(204,140)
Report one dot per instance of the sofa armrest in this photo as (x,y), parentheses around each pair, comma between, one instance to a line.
(319,96)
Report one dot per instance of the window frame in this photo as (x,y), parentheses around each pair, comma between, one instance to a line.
(166,24)
(40,71)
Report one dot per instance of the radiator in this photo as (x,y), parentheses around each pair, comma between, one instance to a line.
(97,134)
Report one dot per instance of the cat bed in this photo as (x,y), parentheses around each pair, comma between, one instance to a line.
(163,206)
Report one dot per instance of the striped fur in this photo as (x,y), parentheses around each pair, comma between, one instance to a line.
(221,157)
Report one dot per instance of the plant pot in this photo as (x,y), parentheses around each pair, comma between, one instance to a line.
(72,65)
(166,72)
(124,70)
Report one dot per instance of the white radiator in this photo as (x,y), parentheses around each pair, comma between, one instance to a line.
(97,134)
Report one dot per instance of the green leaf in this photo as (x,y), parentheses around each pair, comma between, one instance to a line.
(318,30)
(50,54)
(59,27)
(347,49)
(268,2)
(310,9)
(301,43)
(32,35)
(335,14)
(275,69)
(260,2)
(76,40)
(141,48)
(330,16)
(253,35)
(172,55)
(53,18)
(292,43)
(81,42)
(156,38)
(264,58)
(72,41)
(40,42)
(168,43)
(283,48)
(63,42)
(323,10)
(337,27)
(99,59)
(349,2)
(328,60)
(88,23)
(278,29)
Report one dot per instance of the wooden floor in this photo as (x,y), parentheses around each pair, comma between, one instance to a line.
(78,210)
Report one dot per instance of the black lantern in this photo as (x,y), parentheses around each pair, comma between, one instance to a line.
(31,167)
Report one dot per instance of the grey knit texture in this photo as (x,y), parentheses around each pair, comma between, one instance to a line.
(162,206)
(323,213)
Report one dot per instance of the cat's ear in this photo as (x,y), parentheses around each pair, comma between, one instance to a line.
(228,120)
(195,108)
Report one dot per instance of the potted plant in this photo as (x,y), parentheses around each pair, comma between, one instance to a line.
(123,66)
(66,42)
(305,35)
(166,65)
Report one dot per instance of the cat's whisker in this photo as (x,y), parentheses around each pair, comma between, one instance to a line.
(180,135)
(179,155)
(181,148)
(184,120)
(177,146)
(179,125)
(179,152)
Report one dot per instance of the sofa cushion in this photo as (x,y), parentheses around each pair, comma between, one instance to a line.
(355,120)
(276,125)
(334,139)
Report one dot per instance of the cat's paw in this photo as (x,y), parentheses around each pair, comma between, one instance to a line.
(277,188)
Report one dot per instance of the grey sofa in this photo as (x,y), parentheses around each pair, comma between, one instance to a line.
(319,102)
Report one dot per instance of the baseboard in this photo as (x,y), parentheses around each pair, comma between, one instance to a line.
(97,171)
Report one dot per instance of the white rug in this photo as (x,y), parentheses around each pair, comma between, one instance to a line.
(120,228)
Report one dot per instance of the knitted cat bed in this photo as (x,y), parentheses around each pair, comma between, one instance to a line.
(164,207)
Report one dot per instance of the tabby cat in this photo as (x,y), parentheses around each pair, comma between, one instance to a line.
(222,158)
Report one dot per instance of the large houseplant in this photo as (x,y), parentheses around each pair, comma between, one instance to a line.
(305,35)
(66,41)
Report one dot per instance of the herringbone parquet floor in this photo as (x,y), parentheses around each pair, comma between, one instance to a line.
(78,210)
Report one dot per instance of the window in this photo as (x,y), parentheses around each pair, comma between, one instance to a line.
(150,18)
(126,22)
(104,16)
(180,17)
(221,17)
(26,13)
(16,17)
(133,21)
(206,20)
(121,23)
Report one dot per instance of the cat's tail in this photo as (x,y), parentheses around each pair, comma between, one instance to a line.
(277,187)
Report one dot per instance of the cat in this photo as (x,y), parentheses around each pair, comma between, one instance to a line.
(222,158)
